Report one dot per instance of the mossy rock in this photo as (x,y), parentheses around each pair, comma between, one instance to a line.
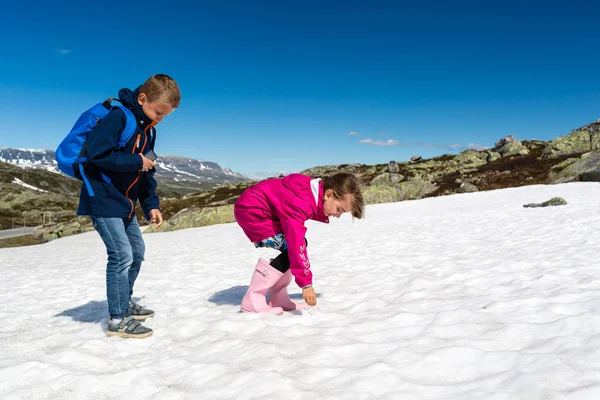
(555,201)
(471,158)
(467,187)
(409,190)
(582,140)
(585,169)
(493,156)
(513,149)
(194,217)
(54,231)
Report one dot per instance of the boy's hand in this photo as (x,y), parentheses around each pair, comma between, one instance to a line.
(156,217)
(147,164)
(309,296)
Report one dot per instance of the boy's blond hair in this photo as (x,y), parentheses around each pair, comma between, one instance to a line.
(161,87)
(344,184)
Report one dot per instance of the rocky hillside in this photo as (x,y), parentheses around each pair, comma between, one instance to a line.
(35,195)
(511,163)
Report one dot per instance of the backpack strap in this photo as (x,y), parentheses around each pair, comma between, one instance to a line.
(130,125)
(85,179)
(108,103)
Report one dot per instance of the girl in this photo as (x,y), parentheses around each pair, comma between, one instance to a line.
(272,214)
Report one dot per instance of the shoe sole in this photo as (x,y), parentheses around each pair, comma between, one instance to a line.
(248,310)
(141,317)
(129,335)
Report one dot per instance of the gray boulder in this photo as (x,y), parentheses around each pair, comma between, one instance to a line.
(193,217)
(587,168)
(493,156)
(581,140)
(509,146)
(408,190)
(555,201)
(470,158)
(387,178)
(393,167)
(467,187)
(48,232)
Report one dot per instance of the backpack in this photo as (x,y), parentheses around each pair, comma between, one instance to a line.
(71,153)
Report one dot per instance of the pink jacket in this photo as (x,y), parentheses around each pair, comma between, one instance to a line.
(282,205)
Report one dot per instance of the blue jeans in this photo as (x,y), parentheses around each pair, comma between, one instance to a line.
(125,248)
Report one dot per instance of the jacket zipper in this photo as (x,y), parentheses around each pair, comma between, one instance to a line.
(137,143)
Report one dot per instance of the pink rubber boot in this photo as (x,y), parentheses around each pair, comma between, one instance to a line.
(264,277)
(279,297)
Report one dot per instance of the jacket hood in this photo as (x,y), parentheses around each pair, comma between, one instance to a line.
(129,99)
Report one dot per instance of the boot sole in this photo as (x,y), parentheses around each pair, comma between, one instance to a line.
(244,309)
(141,317)
(129,335)
(296,308)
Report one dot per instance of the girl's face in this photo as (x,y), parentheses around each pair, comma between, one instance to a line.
(336,207)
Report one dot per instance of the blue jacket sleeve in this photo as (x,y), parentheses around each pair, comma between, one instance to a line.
(147,194)
(102,145)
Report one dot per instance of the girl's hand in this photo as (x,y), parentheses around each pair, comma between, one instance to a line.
(309,296)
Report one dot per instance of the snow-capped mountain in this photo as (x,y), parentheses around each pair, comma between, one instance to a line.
(173,170)
(30,158)
(181,169)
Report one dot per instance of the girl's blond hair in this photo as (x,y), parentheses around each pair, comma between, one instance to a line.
(344,184)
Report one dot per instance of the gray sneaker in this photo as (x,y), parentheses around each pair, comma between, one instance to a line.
(138,311)
(127,328)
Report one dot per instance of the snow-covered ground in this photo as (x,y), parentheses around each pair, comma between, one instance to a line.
(468,296)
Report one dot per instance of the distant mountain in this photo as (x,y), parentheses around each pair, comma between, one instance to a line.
(178,174)
(188,169)
(30,158)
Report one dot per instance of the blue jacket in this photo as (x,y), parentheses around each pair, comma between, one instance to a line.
(115,174)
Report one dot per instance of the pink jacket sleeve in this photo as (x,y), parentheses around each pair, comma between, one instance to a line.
(294,231)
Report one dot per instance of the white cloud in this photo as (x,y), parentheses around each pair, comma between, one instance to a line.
(389,142)
(352,133)
(477,146)
(453,146)
(62,52)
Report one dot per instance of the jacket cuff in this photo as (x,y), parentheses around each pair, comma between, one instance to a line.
(140,163)
(304,281)
(148,207)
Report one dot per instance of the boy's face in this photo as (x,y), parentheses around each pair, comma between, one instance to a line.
(333,207)
(155,110)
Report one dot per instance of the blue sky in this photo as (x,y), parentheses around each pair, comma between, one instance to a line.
(280,85)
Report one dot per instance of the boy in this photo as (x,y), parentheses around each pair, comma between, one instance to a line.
(119,177)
